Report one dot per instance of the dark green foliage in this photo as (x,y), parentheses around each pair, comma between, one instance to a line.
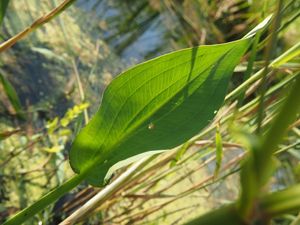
(3,7)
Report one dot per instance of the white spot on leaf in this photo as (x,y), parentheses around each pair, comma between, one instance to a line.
(151,126)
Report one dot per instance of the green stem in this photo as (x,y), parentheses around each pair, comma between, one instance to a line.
(281,202)
(279,127)
(38,23)
(259,166)
(269,54)
(285,57)
(223,215)
(249,67)
(46,200)
(271,205)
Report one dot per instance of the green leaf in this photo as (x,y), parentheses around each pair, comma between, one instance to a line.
(3,7)
(180,152)
(156,105)
(12,95)
(52,125)
(219,152)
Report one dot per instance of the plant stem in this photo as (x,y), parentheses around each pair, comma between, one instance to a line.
(286,116)
(36,24)
(249,67)
(259,166)
(296,221)
(274,204)
(269,54)
(281,202)
(46,200)
(228,213)
(107,192)
(80,89)
(285,57)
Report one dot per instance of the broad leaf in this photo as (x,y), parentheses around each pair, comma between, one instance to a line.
(156,105)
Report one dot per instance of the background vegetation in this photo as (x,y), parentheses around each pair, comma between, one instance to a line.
(52,82)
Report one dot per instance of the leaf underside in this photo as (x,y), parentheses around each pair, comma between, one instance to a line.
(155,105)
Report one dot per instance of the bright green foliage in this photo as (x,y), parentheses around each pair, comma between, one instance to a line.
(219,151)
(156,105)
(3,7)
(73,113)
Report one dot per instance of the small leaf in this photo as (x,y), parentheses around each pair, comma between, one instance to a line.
(180,152)
(64,122)
(73,113)
(156,105)
(12,95)
(52,125)
(83,106)
(54,149)
(65,132)
(219,151)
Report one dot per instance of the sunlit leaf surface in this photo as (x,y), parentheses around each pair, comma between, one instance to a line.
(156,105)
